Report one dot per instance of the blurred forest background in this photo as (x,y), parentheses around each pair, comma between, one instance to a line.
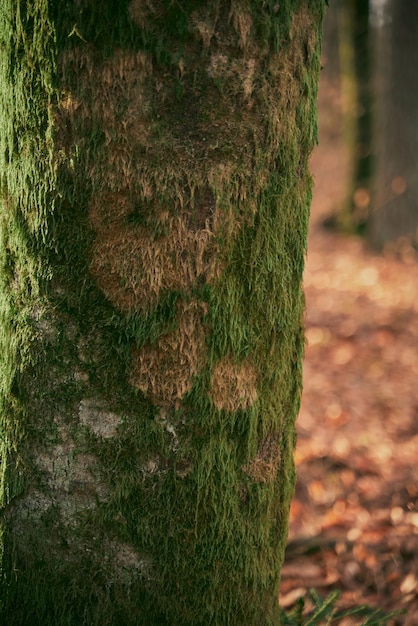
(354,518)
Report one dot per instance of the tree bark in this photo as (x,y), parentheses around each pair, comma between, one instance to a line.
(358,201)
(155,200)
(394,215)
(351,20)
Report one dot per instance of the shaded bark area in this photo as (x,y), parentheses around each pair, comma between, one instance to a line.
(156,192)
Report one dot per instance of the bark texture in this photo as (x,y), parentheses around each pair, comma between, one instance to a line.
(155,200)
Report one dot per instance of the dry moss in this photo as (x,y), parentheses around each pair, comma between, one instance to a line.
(204,23)
(234,385)
(265,465)
(165,372)
(242,21)
(133,266)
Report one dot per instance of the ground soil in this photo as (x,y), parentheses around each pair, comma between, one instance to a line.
(354,518)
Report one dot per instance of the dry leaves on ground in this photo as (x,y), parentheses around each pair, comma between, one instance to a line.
(354,518)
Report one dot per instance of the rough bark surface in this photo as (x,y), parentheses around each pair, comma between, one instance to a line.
(155,199)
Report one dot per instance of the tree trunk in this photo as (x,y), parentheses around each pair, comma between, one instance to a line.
(358,201)
(352,17)
(394,202)
(155,199)
(330,58)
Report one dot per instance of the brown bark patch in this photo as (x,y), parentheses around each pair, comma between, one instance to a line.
(264,467)
(233,385)
(164,372)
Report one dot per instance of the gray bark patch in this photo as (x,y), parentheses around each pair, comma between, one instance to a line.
(102,422)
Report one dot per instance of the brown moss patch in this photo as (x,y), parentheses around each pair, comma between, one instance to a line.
(264,467)
(233,385)
(138,11)
(204,23)
(241,19)
(164,372)
(133,265)
(119,80)
(168,163)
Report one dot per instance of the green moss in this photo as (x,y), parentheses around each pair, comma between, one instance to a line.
(138,138)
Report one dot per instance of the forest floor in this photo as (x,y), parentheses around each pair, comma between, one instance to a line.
(354,518)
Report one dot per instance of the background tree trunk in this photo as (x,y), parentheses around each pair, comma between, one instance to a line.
(155,200)
(351,32)
(330,57)
(358,201)
(394,202)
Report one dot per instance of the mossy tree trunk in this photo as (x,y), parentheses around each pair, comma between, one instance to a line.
(155,199)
